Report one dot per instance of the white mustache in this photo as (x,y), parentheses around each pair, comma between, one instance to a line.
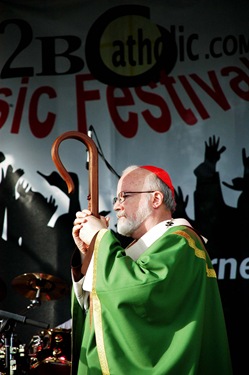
(119,216)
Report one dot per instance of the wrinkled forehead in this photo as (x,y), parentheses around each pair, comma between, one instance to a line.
(133,181)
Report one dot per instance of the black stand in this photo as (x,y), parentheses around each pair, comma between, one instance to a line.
(7,327)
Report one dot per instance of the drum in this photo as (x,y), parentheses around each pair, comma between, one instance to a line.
(50,352)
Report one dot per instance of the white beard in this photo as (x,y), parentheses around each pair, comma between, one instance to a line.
(127,226)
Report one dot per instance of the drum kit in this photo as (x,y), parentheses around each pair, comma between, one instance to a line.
(48,352)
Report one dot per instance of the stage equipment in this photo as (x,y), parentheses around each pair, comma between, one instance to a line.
(50,352)
(13,356)
(40,287)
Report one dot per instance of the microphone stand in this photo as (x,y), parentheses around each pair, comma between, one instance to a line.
(7,326)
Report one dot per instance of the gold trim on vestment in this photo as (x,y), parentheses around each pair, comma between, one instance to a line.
(198,252)
(96,310)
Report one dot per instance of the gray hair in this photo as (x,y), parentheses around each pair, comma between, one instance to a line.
(153,182)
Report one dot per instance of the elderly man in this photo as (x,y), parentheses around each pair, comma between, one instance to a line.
(154,307)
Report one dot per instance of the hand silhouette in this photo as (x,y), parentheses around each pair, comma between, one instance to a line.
(8,182)
(181,203)
(212,153)
(245,162)
(2,157)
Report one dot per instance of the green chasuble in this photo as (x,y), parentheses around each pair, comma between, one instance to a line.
(158,315)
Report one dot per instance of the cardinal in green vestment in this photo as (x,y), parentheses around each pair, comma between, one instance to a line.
(154,307)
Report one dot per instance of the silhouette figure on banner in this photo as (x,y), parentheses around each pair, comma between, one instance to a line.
(29,245)
(226,229)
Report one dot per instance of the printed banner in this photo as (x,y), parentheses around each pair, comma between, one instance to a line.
(162,83)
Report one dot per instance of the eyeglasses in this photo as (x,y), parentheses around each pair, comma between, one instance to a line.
(125,194)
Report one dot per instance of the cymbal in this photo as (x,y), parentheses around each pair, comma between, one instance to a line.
(40,286)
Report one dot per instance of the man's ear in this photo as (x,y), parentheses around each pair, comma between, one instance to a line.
(157,199)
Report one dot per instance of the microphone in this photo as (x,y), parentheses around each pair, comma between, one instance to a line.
(23,319)
(89,133)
